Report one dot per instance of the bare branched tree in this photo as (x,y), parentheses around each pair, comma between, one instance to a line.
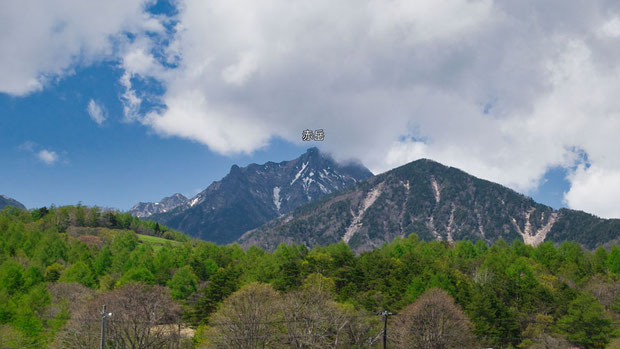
(142,317)
(314,320)
(256,317)
(434,321)
(606,291)
(73,297)
(538,335)
(361,329)
(139,313)
(71,294)
(249,319)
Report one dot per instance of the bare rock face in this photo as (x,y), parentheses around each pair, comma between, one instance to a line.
(250,196)
(435,202)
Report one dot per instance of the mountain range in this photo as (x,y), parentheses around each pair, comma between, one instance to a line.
(7,201)
(435,202)
(250,196)
(314,200)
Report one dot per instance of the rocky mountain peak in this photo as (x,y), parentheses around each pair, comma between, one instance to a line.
(147,209)
(434,201)
(252,195)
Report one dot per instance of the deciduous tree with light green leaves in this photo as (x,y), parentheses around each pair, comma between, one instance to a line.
(183,283)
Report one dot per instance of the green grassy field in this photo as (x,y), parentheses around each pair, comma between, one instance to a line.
(156,242)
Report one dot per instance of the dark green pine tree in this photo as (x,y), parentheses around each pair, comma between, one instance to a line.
(221,285)
(289,268)
(586,323)
(492,319)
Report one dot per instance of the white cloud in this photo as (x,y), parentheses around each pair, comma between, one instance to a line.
(138,62)
(502,89)
(129,98)
(96,112)
(47,156)
(190,116)
(238,73)
(593,189)
(426,20)
(41,40)
(611,28)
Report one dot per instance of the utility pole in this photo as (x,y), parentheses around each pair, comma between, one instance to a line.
(385,315)
(179,334)
(104,315)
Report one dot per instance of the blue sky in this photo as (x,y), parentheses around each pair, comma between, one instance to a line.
(115,102)
(116,164)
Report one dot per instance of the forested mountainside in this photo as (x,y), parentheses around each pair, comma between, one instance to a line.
(59,266)
(250,196)
(435,202)
(7,201)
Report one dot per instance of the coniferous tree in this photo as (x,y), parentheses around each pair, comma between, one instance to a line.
(585,323)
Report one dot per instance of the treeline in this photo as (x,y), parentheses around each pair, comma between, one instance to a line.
(80,216)
(53,283)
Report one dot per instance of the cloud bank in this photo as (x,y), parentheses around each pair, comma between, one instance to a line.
(43,40)
(505,90)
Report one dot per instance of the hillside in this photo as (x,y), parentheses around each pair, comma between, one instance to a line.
(250,196)
(58,266)
(435,202)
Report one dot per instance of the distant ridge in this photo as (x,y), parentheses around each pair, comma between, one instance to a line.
(146,209)
(7,201)
(435,202)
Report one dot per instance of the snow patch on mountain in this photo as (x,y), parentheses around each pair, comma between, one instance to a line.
(194,201)
(306,183)
(323,189)
(303,167)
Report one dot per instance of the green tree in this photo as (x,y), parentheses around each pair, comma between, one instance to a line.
(289,267)
(79,272)
(7,307)
(222,284)
(50,248)
(53,272)
(11,276)
(139,274)
(28,309)
(586,323)
(183,283)
(613,260)
(103,260)
(32,276)
(599,260)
